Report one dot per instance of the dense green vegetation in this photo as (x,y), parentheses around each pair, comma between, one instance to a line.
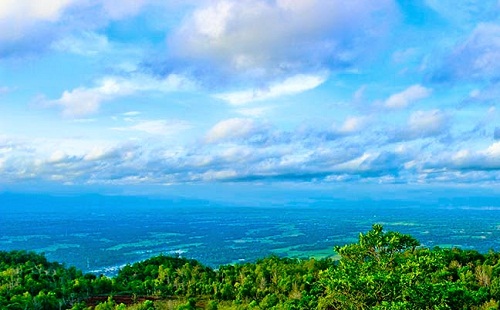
(384,270)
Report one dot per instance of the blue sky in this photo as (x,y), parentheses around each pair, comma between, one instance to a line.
(149,93)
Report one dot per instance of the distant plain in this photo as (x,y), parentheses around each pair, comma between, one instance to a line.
(101,233)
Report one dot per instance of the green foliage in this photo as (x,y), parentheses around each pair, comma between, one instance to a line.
(166,276)
(387,270)
(110,304)
(383,270)
(29,281)
(212,305)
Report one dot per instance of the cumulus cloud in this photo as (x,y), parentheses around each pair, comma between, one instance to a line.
(229,157)
(269,39)
(407,97)
(131,113)
(470,159)
(62,160)
(82,101)
(427,123)
(234,128)
(476,59)
(353,164)
(292,85)
(493,151)
(18,16)
(31,27)
(158,127)
(353,124)
(373,164)
(423,124)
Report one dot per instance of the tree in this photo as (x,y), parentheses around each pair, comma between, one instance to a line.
(387,270)
(367,274)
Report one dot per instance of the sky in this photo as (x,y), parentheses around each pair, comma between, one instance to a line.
(153,94)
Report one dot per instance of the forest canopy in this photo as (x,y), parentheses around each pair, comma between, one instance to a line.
(383,270)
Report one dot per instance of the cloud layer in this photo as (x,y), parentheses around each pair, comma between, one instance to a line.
(82,101)
(273,39)
(176,92)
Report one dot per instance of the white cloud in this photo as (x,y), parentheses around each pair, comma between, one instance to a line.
(158,127)
(131,113)
(481,51)
(292,85)
(482,159)
(269,39)
(219,175)
(407,97)
(70,160)
(228,156)
(426,121)
(212,21)
(423,124)
(295,160)
(493,151)
(18,16)
(83,101)
(97,153)
(354,164)
(30,27)
(420,125)
(86,44)
(353,124)
(28,9)
(231,129)
(57,156)
(477,58)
